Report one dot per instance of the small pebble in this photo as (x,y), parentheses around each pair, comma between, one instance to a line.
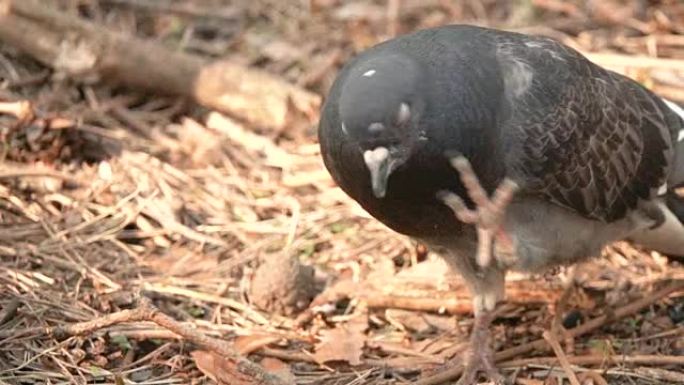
(676,312)
(572,319)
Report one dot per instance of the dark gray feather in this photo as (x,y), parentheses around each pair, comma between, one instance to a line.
(586,138)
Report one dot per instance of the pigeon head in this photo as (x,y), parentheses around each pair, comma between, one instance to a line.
(380,107)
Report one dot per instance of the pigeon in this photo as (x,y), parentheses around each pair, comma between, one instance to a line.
(502,151)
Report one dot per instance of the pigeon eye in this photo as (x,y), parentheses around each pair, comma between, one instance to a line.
(404,114)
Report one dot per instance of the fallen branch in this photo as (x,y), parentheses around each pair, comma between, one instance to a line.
(428,304)
(562,358)
(147,312)
(655,360)
(540,345)
(82,49)
(456,300)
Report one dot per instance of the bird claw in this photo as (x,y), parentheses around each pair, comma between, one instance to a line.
(481,356)
(480,362)
(488,212)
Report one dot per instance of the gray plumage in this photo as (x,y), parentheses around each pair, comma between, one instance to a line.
(590,149)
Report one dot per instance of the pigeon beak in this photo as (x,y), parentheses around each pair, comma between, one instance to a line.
(379,164)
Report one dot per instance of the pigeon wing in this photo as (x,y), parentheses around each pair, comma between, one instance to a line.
(581,136)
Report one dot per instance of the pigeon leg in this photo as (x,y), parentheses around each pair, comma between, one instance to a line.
(488,213)
(481,356)
(561,305)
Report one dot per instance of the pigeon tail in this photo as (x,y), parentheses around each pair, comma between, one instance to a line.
(676,178)
(668,238)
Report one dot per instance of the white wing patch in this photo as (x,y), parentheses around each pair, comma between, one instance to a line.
(534,44)
(679,111)
(369,73)
(517,77)
(344,129)
(543,45)
(404,113)
(376,127)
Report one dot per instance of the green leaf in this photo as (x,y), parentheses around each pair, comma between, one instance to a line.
(338,227)
(122,342)
(196,311)
(97,371)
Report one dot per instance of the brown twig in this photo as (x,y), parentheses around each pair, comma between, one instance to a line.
(147,312)
(287,356)
(562,358)
(22,110)
(211,298)
(36,174)
(656,360)
(448,305)
(541,345)
(592,375)
(454,301)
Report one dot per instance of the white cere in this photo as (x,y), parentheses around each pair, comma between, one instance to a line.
(404,113)
(375,158)
(369,73)
(376,127)
(344,129)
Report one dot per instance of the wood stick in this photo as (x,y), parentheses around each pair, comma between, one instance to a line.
(645,359)
(437,305)
(562,358)
(82,49)
(22,110)
(456,301)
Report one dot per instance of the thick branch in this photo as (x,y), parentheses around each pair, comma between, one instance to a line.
(80,48)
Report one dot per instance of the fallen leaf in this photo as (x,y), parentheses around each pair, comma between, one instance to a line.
(343,343)
(411,320)
(219,369)
(278,368)
(253,342)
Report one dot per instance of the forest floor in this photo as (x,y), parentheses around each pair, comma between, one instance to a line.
(112,200)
